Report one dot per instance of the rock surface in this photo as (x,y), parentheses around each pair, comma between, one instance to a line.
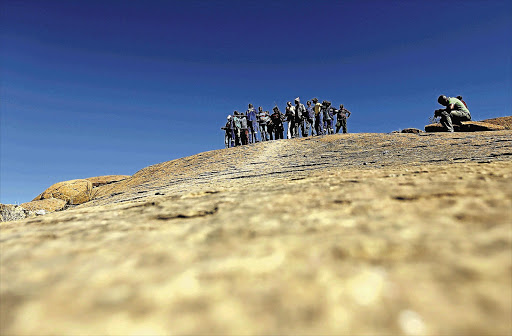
(48,204)
(502,121)
(467,126)
(13,212)
(107,179)
(350,234)
(73,192)
(411,130)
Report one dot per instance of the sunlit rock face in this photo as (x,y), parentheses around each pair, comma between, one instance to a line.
(466,126)
(349,234)
(48,204)
(73,192)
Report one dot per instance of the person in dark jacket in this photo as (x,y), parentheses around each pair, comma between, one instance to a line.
(277,119)
(341,118)
(229,140)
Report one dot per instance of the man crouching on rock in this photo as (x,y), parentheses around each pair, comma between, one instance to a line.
(455,110)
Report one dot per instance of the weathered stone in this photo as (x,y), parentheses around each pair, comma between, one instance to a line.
(502,121)
(281,237)
(107,179)
(467,126)
(73,191)
(411,130)
(48,204)
(13,212)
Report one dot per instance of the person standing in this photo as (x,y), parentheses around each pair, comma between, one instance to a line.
(309,120)
(341,118)
(263,120)
(237,128)
(290,117)
(228,129)
(277,119)
(328,115)
(300,114)
(270,126)
(252,124)
(319,122)
(244,130)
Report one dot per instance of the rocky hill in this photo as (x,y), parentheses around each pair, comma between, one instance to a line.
(402,234)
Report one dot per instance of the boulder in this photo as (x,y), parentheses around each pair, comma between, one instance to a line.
(73,191)
(48,204)
(411,130)
(466,126)
(13,212)
(107,179)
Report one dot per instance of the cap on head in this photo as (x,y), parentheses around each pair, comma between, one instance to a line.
(297,100)
(459,97)
(229,116)
(314,100)
(250,105)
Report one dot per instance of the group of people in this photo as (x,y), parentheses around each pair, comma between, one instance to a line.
(302,121)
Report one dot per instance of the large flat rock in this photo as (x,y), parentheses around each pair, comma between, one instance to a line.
(394,234)
(466,126)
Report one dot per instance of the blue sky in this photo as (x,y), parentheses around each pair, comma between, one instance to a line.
(90,88)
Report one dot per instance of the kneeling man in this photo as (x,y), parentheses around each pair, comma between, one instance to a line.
(455,112)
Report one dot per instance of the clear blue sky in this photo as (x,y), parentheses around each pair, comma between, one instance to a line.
(93,88)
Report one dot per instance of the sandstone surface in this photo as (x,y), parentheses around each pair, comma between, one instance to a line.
(107,179)
(466,126)
(376,234)
(47,204)
(503,121)
(73,192)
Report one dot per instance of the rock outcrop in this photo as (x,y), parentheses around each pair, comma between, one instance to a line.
(349,234)
(502,121)
(73,191)
(466,126)
(14,212)
(47,204)
(411,130)
(107,179)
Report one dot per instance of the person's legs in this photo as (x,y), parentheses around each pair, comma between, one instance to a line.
(237,137)
(344,125)
(338,126)
(446,121)
(320,121)
(459,116)
(255,126)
